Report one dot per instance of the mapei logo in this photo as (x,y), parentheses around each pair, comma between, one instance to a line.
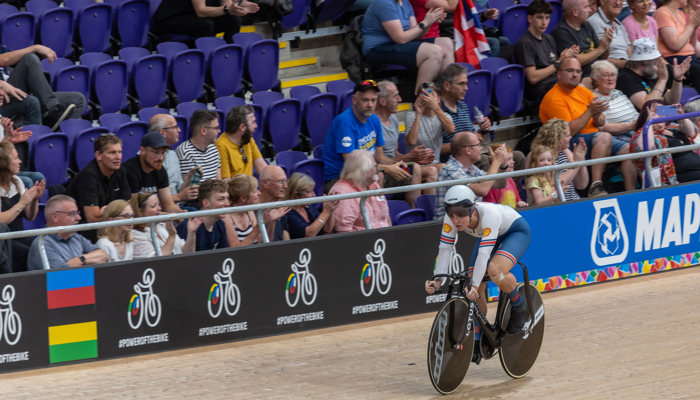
(609,241)
(224,294)
(301,282)
(10,323)
(144,303)
(376,273)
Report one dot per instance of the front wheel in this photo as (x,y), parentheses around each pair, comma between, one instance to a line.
(450,345)
(519,351)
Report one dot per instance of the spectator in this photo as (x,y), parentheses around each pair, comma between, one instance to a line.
(116,241)
(16,202)
(390,32)
(694,106)
(179,183)
(573,29)
(577,105)
(540,187)
(509,195)
(606,17)
(537,52)
(147,205)
(273,184)
(199,150)
(677,36)
(27,77)
(621,116)
(65,249)
(555,134)
(646,76)
(210,232)
(237,149)
(466,151)
(307,221)
(19,137)
(243,191)
(101,181)
(672,168)
(639,24)
(145,171)
(201,18)
(5,252)
(359,174)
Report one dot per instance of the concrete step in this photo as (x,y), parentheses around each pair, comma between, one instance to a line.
(318,79)
(291,68)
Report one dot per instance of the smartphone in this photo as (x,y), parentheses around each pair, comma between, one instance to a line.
(196,175)
(408,168)
(428,87)
(666,111)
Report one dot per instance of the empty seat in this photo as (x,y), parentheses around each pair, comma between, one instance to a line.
(226,103)
(289,158)
(133,20)
(313,168)
(226,66)
(263,64)
(479,91)
(318,114)
(55,28)
(131,133)
(188,74)
(509,87)
(17,30)
(112,121)
(149,77)
(426,202)
(514,22)
(50,157)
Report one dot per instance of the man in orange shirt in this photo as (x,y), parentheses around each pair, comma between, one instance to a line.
(576,104)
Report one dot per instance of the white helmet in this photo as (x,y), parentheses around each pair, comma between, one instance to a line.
(460,195)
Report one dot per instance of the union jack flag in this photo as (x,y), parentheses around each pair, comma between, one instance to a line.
(470,40)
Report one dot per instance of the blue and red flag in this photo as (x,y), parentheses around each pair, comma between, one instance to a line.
(470,41)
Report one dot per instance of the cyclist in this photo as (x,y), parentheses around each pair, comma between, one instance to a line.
(502,238)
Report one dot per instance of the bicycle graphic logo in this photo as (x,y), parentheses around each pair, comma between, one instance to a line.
(224,294)
(376,272)
(301,282)
(144,304)
(10,323)
(456,263)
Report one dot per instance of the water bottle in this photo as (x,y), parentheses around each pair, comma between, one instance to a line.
(479,118)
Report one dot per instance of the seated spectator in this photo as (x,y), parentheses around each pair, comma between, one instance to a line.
(509,195)
(65,249)
(211,230)
(273,184)
(359,174)
(540,187)
(577,105)
(466,151)
(199,150)
(243,191)
(200,18)
(101,181)
(621,116)
(237,149)
(19,137)
(537,52)
(116,241)
(646,76)
(307,221)
(555,134)
(639,24)
(574,29)
(677,36)
(16,202)
(672,168)
(147,205)
(180,184)
(694,106)
(391,35)
(602,20)
(145,171)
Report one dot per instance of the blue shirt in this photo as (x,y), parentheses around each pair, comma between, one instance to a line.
(346,134)
(373,33)
(461,118)
(59,251)
(216,239)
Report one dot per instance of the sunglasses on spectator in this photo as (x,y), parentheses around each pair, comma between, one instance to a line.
(245,158)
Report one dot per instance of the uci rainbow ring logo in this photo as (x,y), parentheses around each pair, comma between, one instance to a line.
(134,304)
(214,296)
(366,273)
(301,283)
(291,283)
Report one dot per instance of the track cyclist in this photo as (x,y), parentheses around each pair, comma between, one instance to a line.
(502,238)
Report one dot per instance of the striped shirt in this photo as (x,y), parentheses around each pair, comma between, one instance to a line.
(462,120)
(620,108)
(190,156)
(570,193)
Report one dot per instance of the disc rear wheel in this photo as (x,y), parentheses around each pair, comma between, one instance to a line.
(519,352)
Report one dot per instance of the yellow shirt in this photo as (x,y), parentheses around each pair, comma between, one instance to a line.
(231,158)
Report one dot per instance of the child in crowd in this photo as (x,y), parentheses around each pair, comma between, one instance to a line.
(243,229)
(508,195)
(211,232)
(116,241)
(540,187)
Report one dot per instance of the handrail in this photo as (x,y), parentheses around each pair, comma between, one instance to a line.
(259,208)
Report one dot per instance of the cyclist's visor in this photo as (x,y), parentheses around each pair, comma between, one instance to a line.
(459,210)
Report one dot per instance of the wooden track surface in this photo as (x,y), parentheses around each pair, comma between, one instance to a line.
(628,339)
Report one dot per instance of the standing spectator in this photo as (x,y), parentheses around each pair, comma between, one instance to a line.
(359,174)
(639,24)
(65,249)
(147,205)
(145,171)
(116,241)
(603,19)
(211,231)
(307,221)
(273,184)
(540,187)
(237,149)
(242,191)
(16,202)
(180,186)
(199,150)
(509,195)
(678,35)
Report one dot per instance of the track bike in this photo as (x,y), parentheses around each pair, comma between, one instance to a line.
(451,341)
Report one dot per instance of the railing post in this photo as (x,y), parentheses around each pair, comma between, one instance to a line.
(154,239)
(261,225)
(557,184)
(42,253)
(363,210)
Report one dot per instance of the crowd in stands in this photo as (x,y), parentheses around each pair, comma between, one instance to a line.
(606,68)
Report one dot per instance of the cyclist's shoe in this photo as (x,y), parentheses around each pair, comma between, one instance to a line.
(476,355)
(518,316)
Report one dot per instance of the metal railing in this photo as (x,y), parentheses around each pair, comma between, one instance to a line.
(259,208)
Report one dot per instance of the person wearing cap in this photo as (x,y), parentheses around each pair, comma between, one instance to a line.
(647,75)
(145,171)
(358,127)
(101,181)
(602,19)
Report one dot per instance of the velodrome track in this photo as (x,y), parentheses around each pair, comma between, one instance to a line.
(626,339)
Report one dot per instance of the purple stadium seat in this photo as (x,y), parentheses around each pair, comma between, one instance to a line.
(318,114)
(149,77)
(17,30)
(514,22)
(479,91)
(396,207)
(133,20)
(84,145)
(313,168)
(283,124)
(188,74)
(426,202)
(263,64)
(55,28)
(509,87)
(303,92)
(226,103)
(112,121)
(409,217)
(50,157)
(131,133)
(226,66)
(289,158)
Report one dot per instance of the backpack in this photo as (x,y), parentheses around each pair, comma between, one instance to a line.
(273,11)
(351,53)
